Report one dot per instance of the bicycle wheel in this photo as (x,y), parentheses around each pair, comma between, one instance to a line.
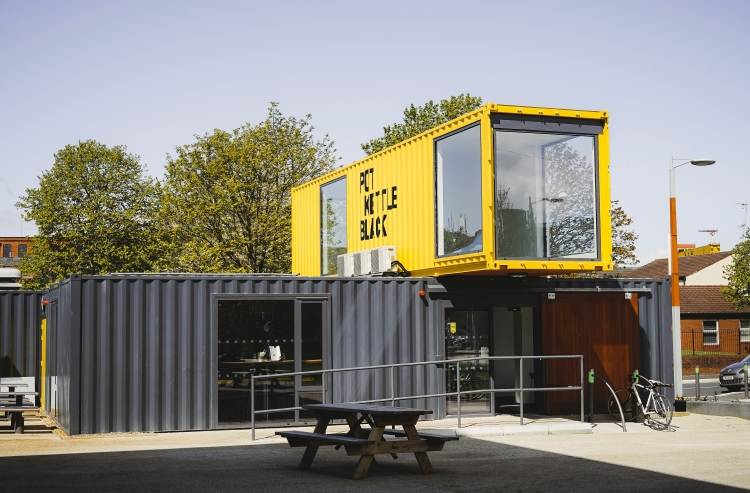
(661,411)
(629,404)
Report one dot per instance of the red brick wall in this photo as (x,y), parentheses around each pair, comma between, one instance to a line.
(711,364)
(729,337)
(14,242)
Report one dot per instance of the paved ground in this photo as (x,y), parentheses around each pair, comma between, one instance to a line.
(702,453)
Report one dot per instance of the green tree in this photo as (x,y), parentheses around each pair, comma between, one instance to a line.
(422,118)
(623,239)
(226,201)
(737,273)
(95,212)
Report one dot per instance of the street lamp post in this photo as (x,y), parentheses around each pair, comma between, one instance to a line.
(676,331)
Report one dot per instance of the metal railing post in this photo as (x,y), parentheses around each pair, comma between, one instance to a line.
(393,389)
(252,405)
(324,375)
(520,370)
(591,395)
(458,391)
(745,368)
(582,397)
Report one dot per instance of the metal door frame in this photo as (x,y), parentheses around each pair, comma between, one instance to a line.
(323,298)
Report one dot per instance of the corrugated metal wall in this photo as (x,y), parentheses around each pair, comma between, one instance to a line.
(20,330)
(139,353)
(148,351)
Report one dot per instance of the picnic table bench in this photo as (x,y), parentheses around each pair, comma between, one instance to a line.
(367,442)
(13,402)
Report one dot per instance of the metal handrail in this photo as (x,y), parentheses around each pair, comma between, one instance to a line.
(393,397)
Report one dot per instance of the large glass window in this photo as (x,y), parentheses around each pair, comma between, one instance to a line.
(545,196)
(332,225)
(467,334)
(458,192)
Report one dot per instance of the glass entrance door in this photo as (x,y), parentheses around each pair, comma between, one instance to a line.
(268,337)
(467,334)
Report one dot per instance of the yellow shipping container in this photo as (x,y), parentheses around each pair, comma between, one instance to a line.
(537,178)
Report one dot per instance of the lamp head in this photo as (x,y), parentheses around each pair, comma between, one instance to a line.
(702,162)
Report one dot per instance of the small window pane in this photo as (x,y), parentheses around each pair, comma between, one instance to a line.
(744,330)
(710,332)
(458,178)
(333,241)
(545,196)
(21,250)
(7,251)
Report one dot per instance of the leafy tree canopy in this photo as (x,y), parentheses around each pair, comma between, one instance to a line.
(737,273)
(422,118)
(623,239)
(94,210)
(226,203)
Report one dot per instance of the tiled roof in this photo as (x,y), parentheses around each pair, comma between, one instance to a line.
(687,265)
(705,299)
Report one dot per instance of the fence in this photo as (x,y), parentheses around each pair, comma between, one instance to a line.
(702,342)
(394,398)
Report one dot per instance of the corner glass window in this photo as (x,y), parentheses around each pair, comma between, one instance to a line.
(332,225)
(458,193)
(545,196)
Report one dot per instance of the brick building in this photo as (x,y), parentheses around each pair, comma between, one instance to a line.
(13,248)
(714,334)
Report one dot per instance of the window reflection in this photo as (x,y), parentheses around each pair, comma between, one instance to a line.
(459,193)
(332,225)
(545,196)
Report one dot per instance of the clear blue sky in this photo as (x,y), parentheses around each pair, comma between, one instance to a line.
(150,75)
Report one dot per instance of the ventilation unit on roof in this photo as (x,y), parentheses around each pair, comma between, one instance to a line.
(362,263)
(381,258)
(345,265)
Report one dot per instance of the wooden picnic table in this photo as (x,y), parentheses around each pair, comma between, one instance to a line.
(367,443)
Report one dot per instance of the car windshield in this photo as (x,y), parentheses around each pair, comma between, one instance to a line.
(746,360)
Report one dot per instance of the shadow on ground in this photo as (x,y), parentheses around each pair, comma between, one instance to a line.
(467,466)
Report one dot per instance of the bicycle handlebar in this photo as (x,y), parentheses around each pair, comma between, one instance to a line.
(652,383)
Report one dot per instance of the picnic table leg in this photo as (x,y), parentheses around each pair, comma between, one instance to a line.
(355,429)
(422,459)
(364,461)
(18,425)
(312,447)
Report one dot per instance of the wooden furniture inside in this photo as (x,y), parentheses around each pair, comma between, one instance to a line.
(368,442)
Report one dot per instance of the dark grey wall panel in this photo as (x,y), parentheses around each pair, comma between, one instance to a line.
(148,349)
(139,353)
(20,330)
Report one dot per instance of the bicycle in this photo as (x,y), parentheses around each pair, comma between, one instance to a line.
(657,409)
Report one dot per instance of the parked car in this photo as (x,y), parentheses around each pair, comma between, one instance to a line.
(733,376)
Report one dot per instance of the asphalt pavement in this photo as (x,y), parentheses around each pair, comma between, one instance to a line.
(709,386)
(699,454)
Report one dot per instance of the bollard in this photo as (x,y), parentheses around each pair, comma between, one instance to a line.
(591,395)
(697,383)
(745,367)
